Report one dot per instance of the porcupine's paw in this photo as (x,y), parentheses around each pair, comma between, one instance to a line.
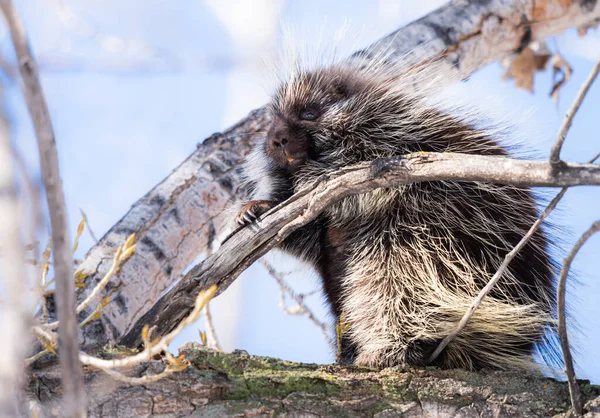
(252,210)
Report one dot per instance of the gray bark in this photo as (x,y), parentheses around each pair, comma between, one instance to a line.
(239,385)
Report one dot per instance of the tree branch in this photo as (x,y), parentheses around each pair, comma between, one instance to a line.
(14,311)
(237,384)
(507,259)
(570,115)
(554,159)
(247,245)
(63,264)
(574,391)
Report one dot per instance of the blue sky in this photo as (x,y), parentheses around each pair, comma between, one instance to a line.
(133,86)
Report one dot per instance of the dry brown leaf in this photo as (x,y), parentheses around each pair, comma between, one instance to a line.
(523,67)
(561,68)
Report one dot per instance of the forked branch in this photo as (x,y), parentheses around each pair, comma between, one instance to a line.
(247,245)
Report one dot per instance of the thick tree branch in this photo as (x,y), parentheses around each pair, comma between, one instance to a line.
(247,245)
(63,262)
(172,222)
(233,385)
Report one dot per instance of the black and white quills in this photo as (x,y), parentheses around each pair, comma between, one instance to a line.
(402,265)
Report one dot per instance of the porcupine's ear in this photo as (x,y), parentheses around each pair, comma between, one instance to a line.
(341,89)
(345,86)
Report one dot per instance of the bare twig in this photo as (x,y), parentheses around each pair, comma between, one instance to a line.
(89,228)
(151,348)
(13,319)
(304,310)
(72,374)
(562,325)
(122,254)
(568,121)
(139,380)
(498,275)
(236,254)
(554,159)
(213,341)
(211,334)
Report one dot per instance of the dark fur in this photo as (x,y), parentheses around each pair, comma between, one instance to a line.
(365,132)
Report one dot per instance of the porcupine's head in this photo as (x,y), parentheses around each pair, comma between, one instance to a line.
(343,114)
(315,114)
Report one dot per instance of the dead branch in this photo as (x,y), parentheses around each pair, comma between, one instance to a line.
(566,125)
(151,349)
(507,259)
(246,246)
(303,309)
(173,220)
(574,391)
(497,276)
(63,263)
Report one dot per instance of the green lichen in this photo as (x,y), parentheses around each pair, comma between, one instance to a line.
(341,388)
(281,384)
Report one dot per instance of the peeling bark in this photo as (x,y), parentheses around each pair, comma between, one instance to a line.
(175,221)
(236,384)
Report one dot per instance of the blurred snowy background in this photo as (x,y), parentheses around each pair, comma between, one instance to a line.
(134,85)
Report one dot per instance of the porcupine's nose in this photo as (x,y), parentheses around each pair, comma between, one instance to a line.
(278,135)
(279,140)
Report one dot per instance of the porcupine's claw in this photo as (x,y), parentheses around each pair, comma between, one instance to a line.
(250,213)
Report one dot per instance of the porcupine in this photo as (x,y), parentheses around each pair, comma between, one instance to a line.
(402,265)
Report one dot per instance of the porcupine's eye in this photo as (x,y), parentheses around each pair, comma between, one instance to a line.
(309,114)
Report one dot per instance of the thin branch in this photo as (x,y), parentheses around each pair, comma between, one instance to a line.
(122,254)
(13,318)
(498,275)
(568,121)
(151,348)
(562,324)
(72,374)
(247,245)
(211,333)
(138,380)
(89,228)
(304,310)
